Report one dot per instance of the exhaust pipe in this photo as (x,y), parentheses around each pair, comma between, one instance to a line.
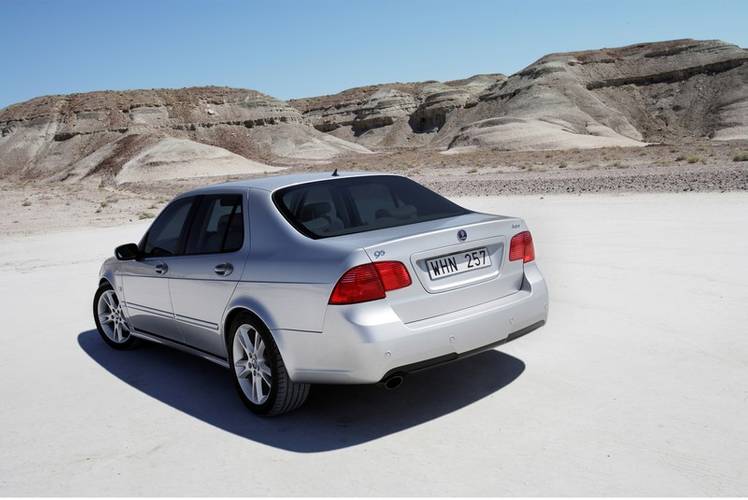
(393,382)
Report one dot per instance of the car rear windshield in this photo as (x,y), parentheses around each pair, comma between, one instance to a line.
(356,204)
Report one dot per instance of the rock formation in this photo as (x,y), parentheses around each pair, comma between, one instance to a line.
(671,91)
(78,135)
(393,114)
(631,95)
(628,96)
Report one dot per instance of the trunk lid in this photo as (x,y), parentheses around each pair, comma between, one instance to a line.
(454,263)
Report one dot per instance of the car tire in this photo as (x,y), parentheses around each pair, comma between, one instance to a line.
(110,318)
(258,371)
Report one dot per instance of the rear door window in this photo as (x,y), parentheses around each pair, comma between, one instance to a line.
(218,225)
(357,204)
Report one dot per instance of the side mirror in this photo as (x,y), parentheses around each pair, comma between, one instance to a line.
(130,251)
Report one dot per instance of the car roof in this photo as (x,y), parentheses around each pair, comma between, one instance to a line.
(273,182)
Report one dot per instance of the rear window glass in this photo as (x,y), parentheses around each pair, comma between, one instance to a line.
(358,204)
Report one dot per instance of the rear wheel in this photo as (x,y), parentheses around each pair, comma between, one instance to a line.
(110,319)
(259,374)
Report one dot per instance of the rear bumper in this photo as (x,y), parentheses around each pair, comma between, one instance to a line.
(448,358)
(363,343)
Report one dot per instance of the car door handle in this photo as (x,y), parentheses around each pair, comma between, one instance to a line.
(223,269)
(161,268)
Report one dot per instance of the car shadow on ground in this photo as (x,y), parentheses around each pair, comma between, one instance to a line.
(334,417)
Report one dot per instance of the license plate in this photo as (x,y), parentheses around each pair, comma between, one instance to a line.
(460,262)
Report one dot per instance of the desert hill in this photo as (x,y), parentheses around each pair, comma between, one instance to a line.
(627,96)
(393,114)
(669,91)
(675,92)
(152,134)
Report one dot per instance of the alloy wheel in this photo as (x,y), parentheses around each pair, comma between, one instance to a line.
(112,317)
(250,364)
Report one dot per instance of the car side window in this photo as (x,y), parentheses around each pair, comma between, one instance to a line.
(218,225)
(166,232)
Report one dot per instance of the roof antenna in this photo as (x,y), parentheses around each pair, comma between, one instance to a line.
(335,173)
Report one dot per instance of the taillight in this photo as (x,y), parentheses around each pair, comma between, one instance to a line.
(521,247)
(369,282)
(393,274)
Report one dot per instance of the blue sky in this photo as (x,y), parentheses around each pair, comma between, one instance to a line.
(295,49)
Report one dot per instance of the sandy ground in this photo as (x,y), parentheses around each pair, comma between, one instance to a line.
(637,386)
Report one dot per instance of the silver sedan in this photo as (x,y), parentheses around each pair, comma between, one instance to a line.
(317,278)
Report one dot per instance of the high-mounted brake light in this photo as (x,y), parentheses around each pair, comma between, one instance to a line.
(370,282)
(521,247)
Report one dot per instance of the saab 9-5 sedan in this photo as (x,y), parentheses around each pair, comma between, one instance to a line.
(321,279)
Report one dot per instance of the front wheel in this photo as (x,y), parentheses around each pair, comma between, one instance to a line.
(110,319)
(259,374)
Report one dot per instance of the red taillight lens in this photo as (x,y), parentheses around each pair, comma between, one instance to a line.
(358,284)
(393,274)
(369,282)
(521,247)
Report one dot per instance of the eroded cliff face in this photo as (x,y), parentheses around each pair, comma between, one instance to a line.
(79,135)
(626,96)
(642,93)
(393,114)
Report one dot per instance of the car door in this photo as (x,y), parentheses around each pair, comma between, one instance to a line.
(145,280)
(203,279)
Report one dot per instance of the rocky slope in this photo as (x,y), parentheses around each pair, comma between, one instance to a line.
(666,91)
(650,92)
(393,114)
(672,92)
(233,130)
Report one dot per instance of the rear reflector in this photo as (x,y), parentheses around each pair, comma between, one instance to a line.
(369,282)
(521,247)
